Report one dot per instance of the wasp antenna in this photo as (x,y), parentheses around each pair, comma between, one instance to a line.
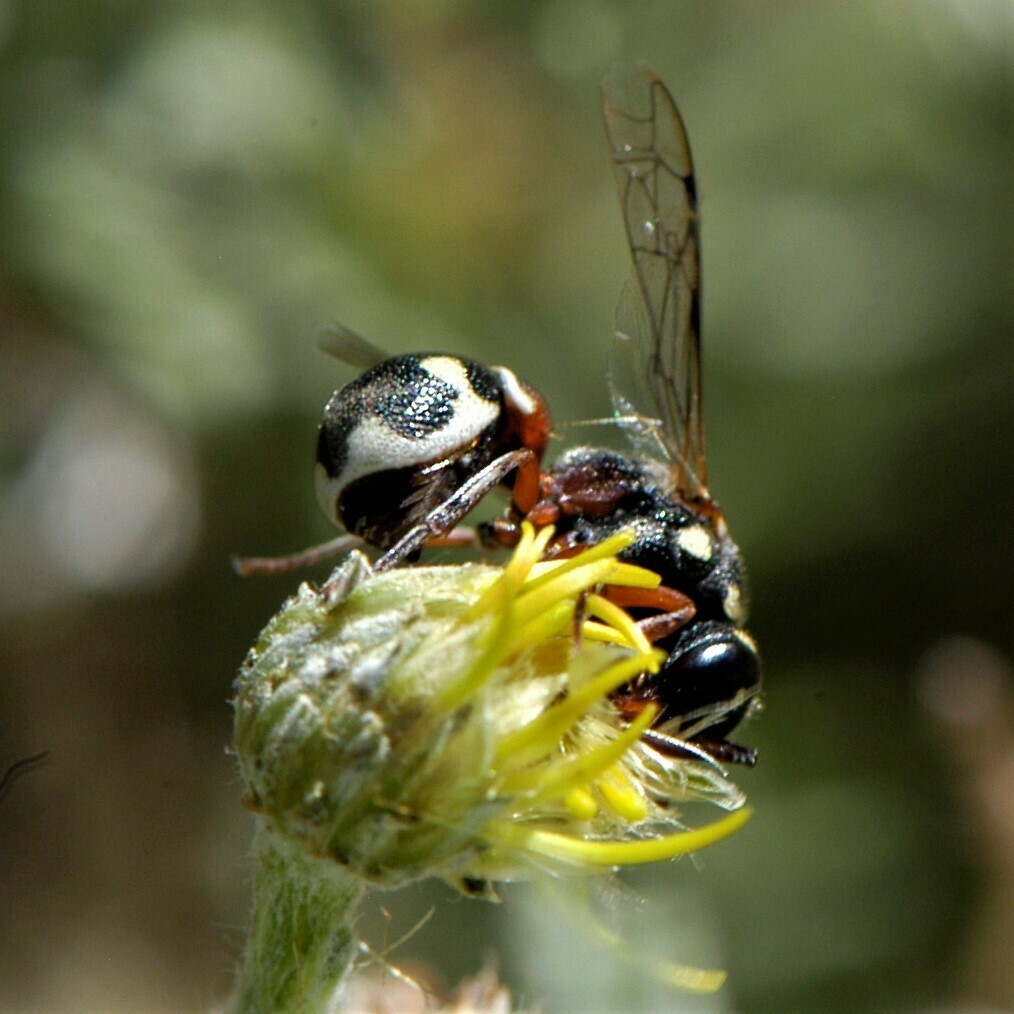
(350,347)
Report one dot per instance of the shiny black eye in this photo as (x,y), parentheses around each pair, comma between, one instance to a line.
(714,671)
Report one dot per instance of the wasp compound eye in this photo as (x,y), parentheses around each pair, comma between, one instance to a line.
(710,679)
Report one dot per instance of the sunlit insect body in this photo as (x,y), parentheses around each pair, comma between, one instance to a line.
(410,447)
(398,444)
(711,678)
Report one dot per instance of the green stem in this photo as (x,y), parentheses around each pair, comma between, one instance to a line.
(302,942)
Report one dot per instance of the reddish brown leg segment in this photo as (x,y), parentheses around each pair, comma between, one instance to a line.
(525,493)
(675,609)
(464,536)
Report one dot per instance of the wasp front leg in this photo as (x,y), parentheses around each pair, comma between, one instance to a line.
(443,519)
(711,751)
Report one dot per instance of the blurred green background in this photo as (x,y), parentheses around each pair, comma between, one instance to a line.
(189,192)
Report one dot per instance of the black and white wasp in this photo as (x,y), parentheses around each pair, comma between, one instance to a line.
(411,446)
(406,449)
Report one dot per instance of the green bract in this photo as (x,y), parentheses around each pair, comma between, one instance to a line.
(446,721)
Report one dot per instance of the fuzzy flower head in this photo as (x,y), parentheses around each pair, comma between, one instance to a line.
(457,721)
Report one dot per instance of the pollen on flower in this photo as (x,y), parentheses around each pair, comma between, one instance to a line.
(457,721)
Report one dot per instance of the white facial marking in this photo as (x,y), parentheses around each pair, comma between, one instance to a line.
(696,541)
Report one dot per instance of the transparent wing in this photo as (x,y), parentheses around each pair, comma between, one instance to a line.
(350,347)
(655,369)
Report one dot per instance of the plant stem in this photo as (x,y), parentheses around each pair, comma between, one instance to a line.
(302,942)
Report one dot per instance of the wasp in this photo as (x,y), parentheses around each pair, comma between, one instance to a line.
(409,448)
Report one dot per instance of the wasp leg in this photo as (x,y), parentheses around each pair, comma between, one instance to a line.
(675,609)
(462,537)
(505,532)
(527,482)
(445,517)
(730,753)
(247,566)
(499,533)
(672,746)
(711,750)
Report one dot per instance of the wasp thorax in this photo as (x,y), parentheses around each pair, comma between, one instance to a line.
(395,442)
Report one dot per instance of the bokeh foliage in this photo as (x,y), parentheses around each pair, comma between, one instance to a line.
(189,192)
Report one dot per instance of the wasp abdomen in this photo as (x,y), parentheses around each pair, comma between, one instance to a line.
(400,439)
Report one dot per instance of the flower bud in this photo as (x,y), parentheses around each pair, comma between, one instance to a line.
(456,721)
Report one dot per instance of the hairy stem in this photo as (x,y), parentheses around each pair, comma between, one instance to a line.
(302,941)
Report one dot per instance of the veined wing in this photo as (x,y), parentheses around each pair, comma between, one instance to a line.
(655,375)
